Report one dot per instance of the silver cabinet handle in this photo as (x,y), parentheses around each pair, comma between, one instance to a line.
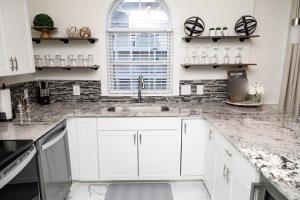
(185,128)
(141,139)
(12,67)
(134,139)
(210,135)
(17,65)
(224,171)
(228,175)
(228,153)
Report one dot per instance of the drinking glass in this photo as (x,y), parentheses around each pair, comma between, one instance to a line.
(238,57)
(85,62)
(57,60)
(215,57)
(80,60)
(47,60)
(90,60)
(70,58)
(227,57)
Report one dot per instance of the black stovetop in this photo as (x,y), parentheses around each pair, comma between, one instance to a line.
(11,149)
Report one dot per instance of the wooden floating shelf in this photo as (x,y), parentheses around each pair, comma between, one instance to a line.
(218,65)
(65,40)
(95,67)
(217,38)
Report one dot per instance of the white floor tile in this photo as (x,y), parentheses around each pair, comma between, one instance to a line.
(181,191)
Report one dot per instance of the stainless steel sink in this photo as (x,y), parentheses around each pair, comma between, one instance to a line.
(144,109)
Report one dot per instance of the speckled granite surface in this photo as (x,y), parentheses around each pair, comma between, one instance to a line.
(268,139)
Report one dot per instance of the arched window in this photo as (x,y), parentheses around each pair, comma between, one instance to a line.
(139,44)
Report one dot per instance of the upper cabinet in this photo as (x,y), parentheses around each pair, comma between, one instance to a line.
(16,52)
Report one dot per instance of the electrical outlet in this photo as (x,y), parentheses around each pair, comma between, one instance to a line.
(200,89)
(76,90)
(26,95)
(186,90)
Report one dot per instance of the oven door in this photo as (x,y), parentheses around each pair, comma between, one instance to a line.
(265,191)
(19,180)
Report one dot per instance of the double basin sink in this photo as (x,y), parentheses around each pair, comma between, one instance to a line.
(142,109)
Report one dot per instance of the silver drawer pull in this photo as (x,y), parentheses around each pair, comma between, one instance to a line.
(185,128)
(134,139)
(228,153)
(210,134)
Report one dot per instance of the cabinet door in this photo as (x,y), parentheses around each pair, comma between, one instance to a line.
(193,146)
(17,34)
(4,67)
(118,156)
(157,155)
(73,147)
(239,189)
(87,149)
(210,161)
(222,183)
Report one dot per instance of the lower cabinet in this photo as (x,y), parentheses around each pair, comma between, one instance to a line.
(87,149)
(227,174)
(193,147)
(137,155)
(118,156)
(222,178)
(157,155)
(210,160)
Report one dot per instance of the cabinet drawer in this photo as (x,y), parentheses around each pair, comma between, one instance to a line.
(140,123)
(242,166)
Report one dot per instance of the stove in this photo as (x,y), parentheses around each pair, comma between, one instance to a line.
(10,149)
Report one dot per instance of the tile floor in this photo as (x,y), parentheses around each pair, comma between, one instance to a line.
(181,191)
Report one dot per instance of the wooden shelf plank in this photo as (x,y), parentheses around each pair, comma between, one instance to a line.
(217,38)
(218,65)
(65,40)
(95,67)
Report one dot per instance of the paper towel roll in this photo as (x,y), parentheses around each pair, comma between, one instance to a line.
(5,103)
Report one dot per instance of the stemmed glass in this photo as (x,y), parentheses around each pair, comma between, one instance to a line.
(215,57)
(226,57)
(238,58)
(187,57)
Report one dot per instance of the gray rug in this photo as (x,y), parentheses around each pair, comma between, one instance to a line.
(139,191)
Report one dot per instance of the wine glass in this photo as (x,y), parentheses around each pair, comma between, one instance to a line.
(238,57)
(215,57)
(227,57)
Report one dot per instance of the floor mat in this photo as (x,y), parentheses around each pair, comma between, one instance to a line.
(139,191)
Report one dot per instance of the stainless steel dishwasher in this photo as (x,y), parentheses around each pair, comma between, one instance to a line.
(54,164)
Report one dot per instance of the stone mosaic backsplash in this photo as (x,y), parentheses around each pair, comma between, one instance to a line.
(62,91)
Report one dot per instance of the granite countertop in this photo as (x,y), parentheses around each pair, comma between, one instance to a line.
(267,138)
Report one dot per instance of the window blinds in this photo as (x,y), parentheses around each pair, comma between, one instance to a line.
(139,53)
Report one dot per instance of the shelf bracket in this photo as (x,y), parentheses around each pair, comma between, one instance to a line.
(216,39)
(188,39)
(216,66)
(92,41)
(37,41)
(66,41)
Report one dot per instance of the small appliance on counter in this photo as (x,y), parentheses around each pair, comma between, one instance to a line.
(43,93)
(5,104)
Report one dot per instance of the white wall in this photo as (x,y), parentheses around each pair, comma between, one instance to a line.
(267,51)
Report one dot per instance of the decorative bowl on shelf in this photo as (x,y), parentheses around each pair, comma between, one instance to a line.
(45,30)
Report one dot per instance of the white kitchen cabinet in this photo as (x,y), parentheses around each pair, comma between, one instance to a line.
(210,161)
(87,149)
(157,155)
(73,148)
(222,184)
(193,147)
(239,190)
(15,38)
(118,158)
